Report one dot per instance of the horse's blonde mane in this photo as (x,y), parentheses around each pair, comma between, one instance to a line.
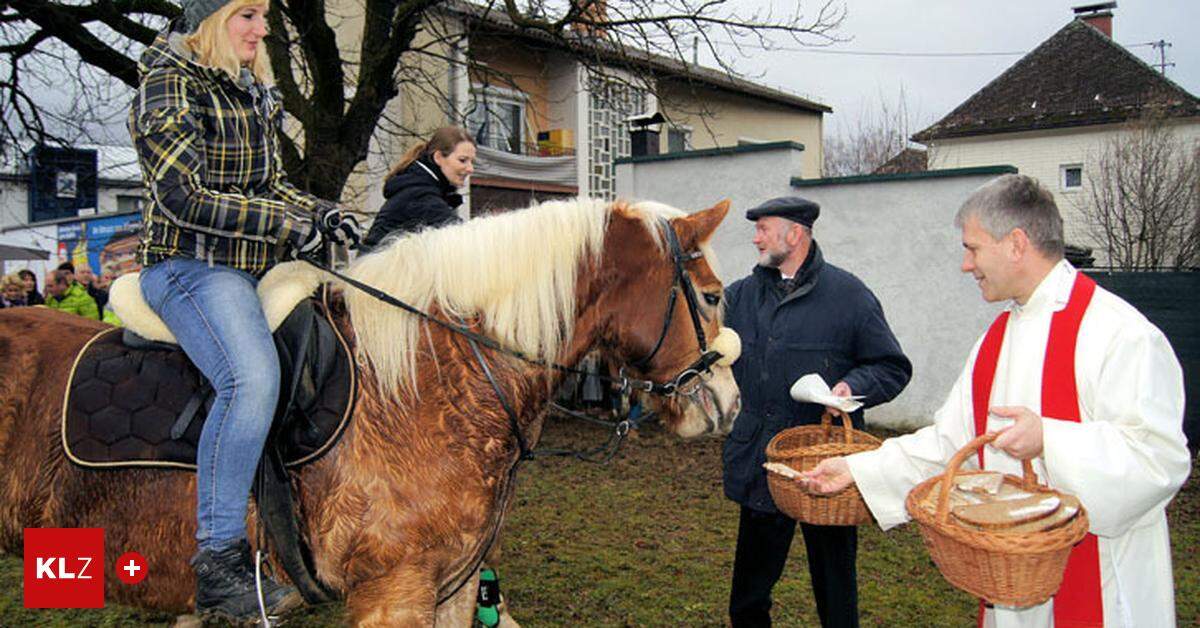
(514,272)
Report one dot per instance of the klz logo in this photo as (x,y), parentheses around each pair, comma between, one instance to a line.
(64,568)
(46,568)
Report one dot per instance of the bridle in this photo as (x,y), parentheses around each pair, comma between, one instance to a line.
(681,383)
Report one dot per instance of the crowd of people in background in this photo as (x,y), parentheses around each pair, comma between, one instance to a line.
(76,290)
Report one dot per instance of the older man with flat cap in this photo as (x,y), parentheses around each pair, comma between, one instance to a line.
(797,314)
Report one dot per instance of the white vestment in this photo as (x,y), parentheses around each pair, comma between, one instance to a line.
(1125,459)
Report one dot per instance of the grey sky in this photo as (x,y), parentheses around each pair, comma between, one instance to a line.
(934,86)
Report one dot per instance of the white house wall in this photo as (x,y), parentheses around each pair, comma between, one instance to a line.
(43,238)
(897,236)
(565,82)
(1041,154)
(746,179)
(14,201)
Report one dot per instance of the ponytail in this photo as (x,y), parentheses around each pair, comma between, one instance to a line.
(412,154)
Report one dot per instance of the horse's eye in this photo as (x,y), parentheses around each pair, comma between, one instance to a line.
(712,298)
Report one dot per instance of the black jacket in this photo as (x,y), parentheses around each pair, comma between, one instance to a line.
(828,322)
(100,295)
(418,197)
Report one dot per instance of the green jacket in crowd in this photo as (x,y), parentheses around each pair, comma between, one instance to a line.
(75,300)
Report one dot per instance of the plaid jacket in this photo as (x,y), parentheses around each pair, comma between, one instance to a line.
(209,152)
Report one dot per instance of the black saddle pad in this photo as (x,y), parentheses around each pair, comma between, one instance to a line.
(124,399)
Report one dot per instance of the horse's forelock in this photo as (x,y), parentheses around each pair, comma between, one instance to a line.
(652,214)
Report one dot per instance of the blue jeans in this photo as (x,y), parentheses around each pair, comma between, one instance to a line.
(218,320)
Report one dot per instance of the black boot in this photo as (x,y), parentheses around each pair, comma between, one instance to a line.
(225,586)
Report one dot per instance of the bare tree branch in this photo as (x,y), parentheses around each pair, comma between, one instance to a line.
(1143,197)
(338,99)
(873,138)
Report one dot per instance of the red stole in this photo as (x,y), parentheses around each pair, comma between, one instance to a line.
(1078,603)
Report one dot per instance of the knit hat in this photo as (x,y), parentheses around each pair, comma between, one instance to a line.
(196,11)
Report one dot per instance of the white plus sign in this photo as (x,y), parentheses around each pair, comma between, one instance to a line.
(132,568)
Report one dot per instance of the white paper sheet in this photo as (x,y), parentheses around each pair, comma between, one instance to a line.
(812,389)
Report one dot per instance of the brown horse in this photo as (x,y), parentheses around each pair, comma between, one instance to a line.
(398,511)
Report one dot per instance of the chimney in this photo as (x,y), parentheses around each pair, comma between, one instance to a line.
(1098,16)
(595,11)
(644,133)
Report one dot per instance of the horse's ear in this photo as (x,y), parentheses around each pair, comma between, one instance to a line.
(701,225)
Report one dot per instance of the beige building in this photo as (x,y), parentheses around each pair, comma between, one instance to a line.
(730,112)
(1053,112)
(549,125)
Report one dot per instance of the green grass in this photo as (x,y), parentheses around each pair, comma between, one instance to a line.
(648,541)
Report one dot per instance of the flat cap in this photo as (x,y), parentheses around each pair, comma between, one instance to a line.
(794,208)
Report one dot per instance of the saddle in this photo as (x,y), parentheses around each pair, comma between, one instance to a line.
(137,402)
(133,402)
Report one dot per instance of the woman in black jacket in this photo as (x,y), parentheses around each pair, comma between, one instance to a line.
(421,188)
(32,296)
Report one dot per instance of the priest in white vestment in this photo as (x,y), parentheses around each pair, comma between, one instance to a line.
(1124,454)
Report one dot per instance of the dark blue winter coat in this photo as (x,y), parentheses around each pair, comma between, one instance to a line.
(829,323)
(418,197)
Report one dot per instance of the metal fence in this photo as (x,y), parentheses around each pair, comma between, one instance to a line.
(1171,300)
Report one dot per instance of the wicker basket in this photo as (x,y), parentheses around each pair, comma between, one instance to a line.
(1006,569)
(803,448)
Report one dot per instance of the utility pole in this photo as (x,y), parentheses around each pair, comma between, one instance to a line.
(1162,64)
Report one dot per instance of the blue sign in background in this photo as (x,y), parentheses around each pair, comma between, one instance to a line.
(107,244)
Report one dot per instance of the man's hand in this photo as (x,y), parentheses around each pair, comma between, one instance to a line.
(840,389)
(828,477)
(1023,439)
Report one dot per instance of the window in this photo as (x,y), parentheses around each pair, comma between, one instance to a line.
(129,203)
(1071,178)
(497,119)
(679,139)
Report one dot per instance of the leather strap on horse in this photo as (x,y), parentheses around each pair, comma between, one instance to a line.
(277,516)
(463,575)
(191,410)
(681,284)
(689,292)
(600,454)
(276,507)
(524,453)
(508,409)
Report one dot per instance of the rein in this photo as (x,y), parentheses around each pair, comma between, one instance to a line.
(621,382)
